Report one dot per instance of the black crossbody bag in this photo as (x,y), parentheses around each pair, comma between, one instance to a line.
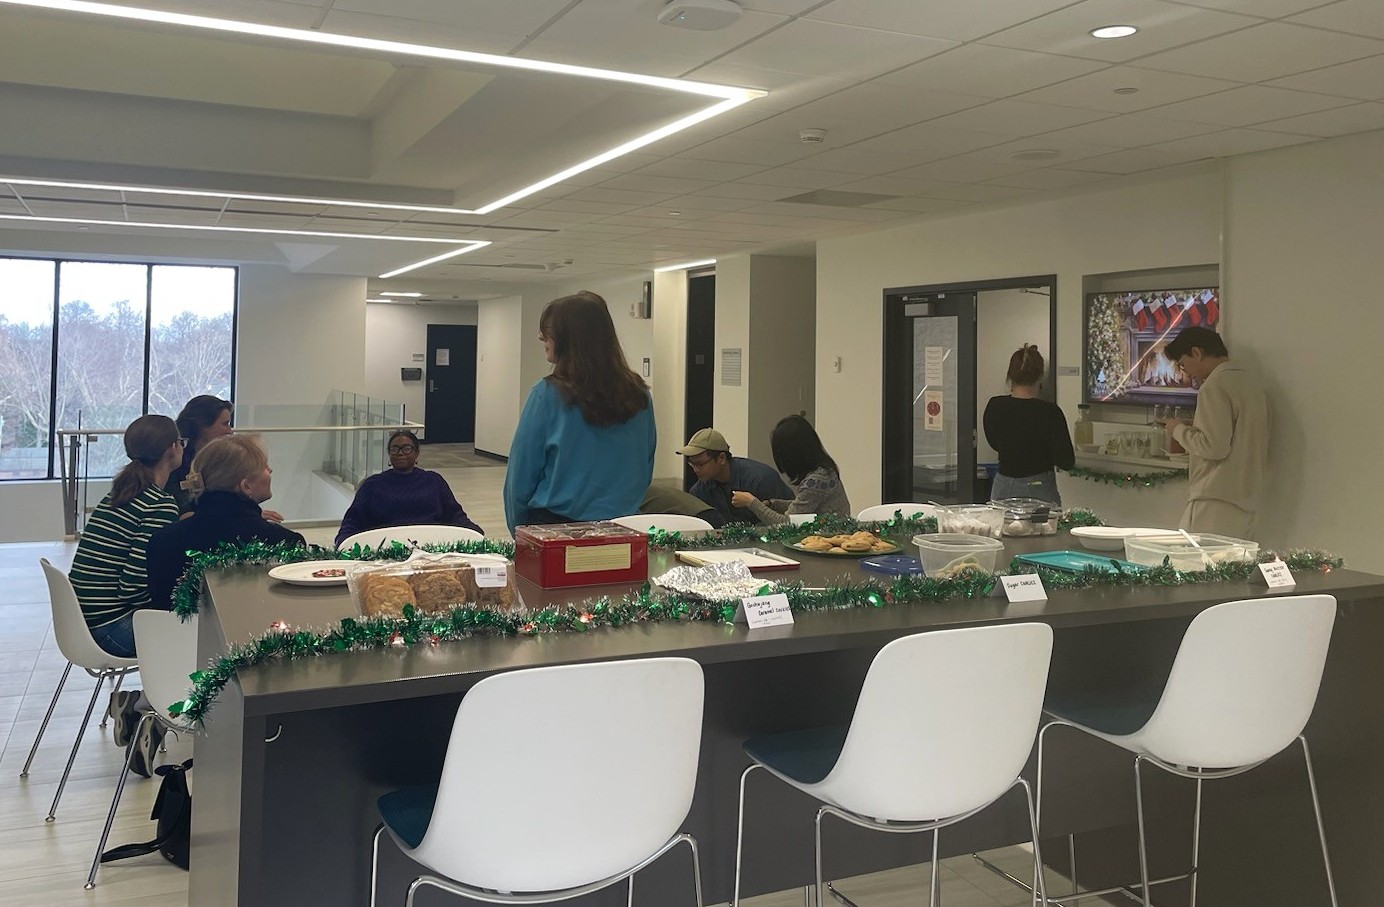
(173,812)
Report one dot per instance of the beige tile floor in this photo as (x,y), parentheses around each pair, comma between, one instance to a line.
(45,864)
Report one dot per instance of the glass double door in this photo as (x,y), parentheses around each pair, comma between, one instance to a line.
(929,398)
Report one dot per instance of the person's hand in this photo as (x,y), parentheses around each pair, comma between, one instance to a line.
(1170,424)
(742,499)
(272,516)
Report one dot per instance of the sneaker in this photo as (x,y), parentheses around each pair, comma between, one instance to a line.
(123,714)
(147,746)
(138,763)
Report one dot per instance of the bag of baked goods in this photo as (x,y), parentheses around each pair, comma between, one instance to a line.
(432,583)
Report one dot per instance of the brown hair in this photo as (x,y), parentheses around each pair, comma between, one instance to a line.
(1026,366)
(223,464)
(147,439)
(199,414)
(1205,339)
(590,368)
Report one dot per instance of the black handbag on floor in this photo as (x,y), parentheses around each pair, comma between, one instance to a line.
(173,812)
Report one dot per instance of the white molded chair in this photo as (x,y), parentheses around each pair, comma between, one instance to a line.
(943,726)
(668,522)
(886,511)
(1241,690)
(77,646)
(412,536)
(522,844)
(168,647)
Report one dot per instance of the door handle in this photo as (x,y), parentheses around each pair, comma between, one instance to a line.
(432,386)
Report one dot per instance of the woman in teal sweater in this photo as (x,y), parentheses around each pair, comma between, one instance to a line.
(584,446)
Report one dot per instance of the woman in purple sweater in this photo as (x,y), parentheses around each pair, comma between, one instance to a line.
(403,495)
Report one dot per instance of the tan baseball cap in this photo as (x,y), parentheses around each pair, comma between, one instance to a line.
(708,439)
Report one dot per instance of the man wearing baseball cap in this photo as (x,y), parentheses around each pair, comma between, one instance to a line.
(719,475)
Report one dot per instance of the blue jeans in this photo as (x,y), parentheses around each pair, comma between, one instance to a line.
(117,638)
(1042,486)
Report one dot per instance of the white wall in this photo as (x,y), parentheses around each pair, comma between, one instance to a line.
(499,394)
(1166,224)
(393,333)
(731,405)
(783,339)
(1303,277)
(669,351)
(1005,321)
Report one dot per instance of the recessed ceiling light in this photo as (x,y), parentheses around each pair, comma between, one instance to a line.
(1127,90)
(675,214)
(730,97)
(685,265)
(1113,31)
(1035,154)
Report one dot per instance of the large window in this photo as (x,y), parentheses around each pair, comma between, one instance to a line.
(129,339)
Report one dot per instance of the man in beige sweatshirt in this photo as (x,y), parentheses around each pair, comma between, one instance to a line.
(1227,443)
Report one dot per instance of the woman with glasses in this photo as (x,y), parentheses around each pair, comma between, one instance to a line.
(403,495)
(584,446)
(203,419)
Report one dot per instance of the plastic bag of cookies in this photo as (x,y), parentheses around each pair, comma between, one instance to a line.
(433,583)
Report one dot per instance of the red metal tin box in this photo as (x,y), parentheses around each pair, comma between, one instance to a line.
(581,554)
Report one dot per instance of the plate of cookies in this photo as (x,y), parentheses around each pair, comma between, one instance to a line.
(311,573)
(857,544)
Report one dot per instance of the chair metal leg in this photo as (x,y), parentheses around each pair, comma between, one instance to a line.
(117,680)
(817,858)
(696,870)
(630,900)
(934,895)
(375,863)
(1041,889)
(72,757)
(52,704)
(1196,847)
(115,804)
(740,834)
(1143,844)
(1317,808)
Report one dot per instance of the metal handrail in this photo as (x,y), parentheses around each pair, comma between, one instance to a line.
(69,456)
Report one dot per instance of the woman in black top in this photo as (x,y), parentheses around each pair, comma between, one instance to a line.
(229,479)
(1029,433)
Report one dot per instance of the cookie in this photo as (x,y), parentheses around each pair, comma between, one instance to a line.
(439,590)
(385,595)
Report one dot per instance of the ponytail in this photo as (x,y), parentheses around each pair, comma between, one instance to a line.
(147,439)
(1026,366)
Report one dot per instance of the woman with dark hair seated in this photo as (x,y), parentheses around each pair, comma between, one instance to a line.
(799,454)
(203,419)
(229,480)
(403,495)
(584,446)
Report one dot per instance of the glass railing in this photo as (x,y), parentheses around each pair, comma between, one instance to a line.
(319,454)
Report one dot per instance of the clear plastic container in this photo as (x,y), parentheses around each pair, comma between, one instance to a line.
(432,583)
(945,554)
(971,519)
(1028,516)
(1215,550)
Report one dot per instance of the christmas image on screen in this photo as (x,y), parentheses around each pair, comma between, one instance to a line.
(1126,334)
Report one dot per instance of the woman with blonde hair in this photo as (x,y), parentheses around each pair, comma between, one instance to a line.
(229,480)
(1029,433)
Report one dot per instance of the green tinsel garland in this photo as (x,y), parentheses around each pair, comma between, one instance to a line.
(1127,479)
(826,524)
(1167,575)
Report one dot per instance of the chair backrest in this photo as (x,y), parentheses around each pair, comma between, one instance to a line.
(69,626)
(1244,681)
(669,522)
(628,733)
(944,723)
(167,656)
(886,511)
(411,536)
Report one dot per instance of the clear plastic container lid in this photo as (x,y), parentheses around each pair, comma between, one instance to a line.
(1030,509)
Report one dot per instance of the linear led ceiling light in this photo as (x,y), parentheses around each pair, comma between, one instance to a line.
(407,295)
(430,261)
(470,243)
(727,97)
(686,265)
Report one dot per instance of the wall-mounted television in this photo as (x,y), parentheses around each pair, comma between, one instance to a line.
(1124,337)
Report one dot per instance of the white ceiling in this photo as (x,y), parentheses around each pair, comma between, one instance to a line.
(928,107)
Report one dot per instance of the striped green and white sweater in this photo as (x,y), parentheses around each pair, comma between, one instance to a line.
(108,570)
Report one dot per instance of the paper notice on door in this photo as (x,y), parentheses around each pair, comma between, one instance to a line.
(932,410)
(933,357)
(444,357)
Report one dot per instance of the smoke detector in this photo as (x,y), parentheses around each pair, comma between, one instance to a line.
(701,15)
(812,136)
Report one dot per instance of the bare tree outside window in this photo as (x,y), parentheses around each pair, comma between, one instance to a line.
(106,312)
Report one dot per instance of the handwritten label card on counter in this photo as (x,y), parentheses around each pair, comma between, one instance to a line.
(1275,575)
(1024,587)
(764,611)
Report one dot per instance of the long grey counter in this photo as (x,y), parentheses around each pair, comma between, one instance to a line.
(296,752)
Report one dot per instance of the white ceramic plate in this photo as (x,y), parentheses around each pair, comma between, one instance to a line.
(301,574)
(1109,538)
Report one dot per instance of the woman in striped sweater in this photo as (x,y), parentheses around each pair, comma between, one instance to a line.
(108,570)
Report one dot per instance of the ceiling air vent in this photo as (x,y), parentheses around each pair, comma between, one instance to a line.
(837,199)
